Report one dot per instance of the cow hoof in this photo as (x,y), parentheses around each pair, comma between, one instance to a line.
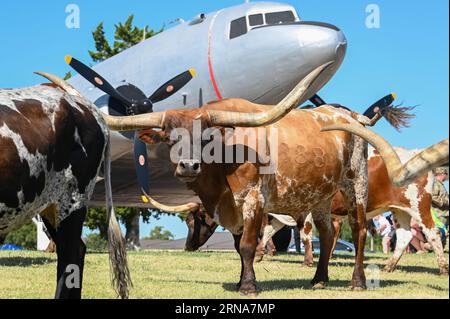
(357,286)
(319,285)
(258,258)
(388,268)
(308,264)
(443,272)
(248,291)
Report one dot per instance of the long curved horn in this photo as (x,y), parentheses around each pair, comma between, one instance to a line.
(135,122)
(224,118)
(60,82)
(400,174)
(186,208)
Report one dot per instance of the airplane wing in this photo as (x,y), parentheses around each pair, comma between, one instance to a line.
(164,187)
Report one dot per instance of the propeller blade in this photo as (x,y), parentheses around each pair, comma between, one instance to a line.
(171,87)
(380,105)
(317,101)
(141,163)
(97,80)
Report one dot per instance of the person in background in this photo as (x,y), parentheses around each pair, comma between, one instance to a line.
(384,229)
(440,201)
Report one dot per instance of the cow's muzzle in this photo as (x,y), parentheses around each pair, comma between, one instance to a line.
(188,170)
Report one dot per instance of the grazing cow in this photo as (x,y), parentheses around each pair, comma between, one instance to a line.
(52,144)
(201,227)
(311,168)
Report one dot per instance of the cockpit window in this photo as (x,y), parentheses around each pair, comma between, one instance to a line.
(238,27)
(280,17)
(256,19)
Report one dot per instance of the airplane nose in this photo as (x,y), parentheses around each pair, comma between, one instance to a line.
(322,42)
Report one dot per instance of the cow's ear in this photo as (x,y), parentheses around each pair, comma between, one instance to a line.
(153,137)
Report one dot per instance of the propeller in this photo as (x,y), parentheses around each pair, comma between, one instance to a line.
(317,101)
(378,106)
(130,100)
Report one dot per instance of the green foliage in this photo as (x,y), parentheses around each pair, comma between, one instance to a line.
(67,76)
(26,237)
(346,232)
(96,218)
(95,243)
(126,35)
(159,233)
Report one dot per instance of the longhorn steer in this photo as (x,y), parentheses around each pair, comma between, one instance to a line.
(311,168)
(52,142)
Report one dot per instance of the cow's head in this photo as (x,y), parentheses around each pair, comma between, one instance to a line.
(177,127)
(165,126)
(200,228)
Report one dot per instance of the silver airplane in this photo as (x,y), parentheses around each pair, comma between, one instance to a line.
(256,51)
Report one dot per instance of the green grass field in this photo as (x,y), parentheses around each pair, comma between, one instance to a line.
(169,274)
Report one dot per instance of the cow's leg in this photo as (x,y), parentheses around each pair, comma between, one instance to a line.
(337,224)
(271,249)
(359,239)
(435,241)
(356,194)
(404,236)
(252,224)
(322,220)
(270,230)
(70,250)
(306,237)
(237,241)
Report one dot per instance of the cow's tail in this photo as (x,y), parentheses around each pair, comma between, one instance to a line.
(120,273)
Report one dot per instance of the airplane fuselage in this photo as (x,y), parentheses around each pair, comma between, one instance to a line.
(256,51)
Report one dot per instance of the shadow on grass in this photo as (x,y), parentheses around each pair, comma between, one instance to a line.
(286,284)
(334,262)
(25,261)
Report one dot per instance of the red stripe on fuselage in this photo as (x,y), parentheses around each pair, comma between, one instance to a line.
(211,72)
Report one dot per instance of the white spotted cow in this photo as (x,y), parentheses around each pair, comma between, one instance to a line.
(52,143)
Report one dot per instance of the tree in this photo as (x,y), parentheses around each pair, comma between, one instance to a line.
(125,36)
(96,220)
(26,237)
(67,76)
(158,233)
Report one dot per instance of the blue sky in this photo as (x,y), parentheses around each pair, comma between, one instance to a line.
(408,54)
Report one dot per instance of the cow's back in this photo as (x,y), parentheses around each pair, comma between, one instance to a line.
(51,146)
